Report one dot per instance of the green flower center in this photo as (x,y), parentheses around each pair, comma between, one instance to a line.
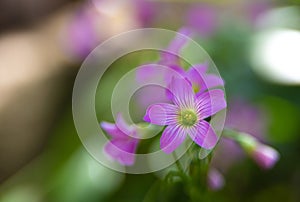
(196,88)
(187,117)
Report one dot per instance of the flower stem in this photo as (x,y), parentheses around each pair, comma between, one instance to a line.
(231,134)
(246,141)
(178,165)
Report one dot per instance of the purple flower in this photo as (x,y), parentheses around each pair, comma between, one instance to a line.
(264,156)
(82,35)
(202,19)
(146,11)
(256,8)
(240,113)
(123,144)
(215,179)
(186,115)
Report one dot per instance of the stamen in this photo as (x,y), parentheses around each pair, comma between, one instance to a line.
(187,117)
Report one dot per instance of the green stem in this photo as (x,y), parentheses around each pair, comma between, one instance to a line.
(178,165)
(246,141)
(231,134)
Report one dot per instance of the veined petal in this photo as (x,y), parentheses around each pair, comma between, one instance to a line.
(183,94)
(210,102)
(161,114)
(203,135)
(171,138)
(175,71)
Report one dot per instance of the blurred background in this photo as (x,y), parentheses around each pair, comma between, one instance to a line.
(255,45)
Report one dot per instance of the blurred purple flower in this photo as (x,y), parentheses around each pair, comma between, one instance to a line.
(186,116)
(81,34)
(257,8)
(123,144)
(215,179)
(146,11)
(229,149)
(202,18)
(197,74)
(240,113)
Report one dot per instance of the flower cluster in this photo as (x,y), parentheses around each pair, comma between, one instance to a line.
(191,100)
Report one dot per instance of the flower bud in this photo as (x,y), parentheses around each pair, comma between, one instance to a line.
(265,156)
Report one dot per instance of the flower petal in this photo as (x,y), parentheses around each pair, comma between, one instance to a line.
(122,151)
(210,102)
(265,156)
(150,95)
(203,135)
(122,125)
(112,130)
(196,70)
(161,114)
(183,94)
(175,71)
(212,80)
(145,72)
(171,138)
(170,56)
(198,76)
